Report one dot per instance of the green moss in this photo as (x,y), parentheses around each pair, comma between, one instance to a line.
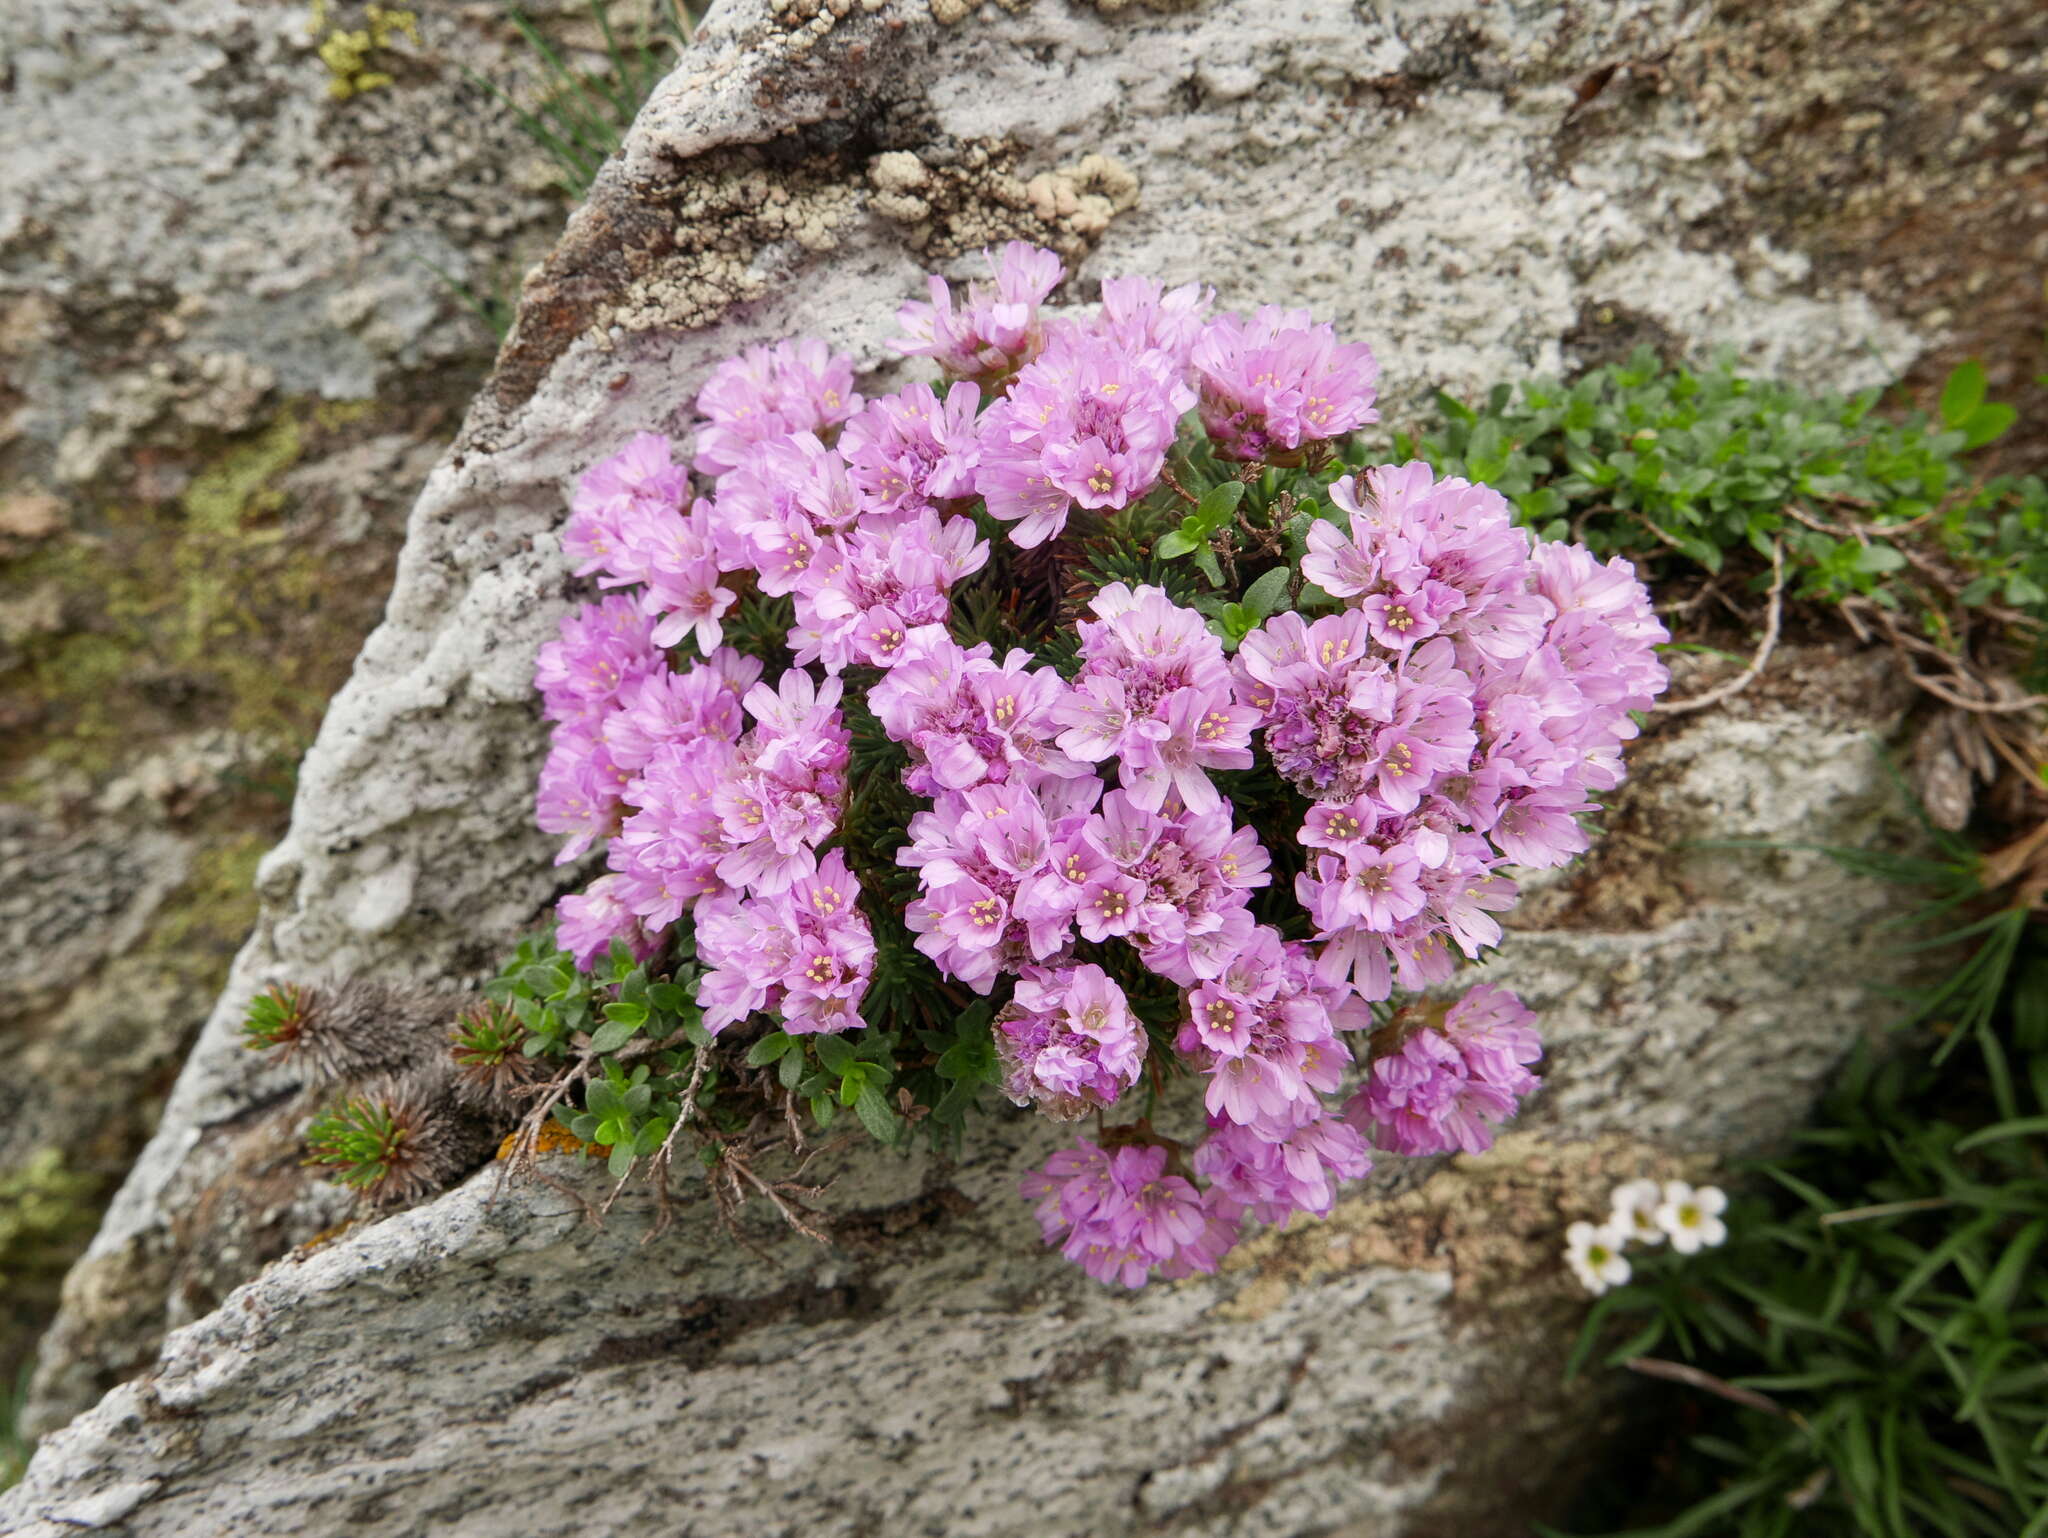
(208,613)
(47,1212)
(206,918)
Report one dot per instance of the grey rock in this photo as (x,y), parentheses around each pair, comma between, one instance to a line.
(475,1363)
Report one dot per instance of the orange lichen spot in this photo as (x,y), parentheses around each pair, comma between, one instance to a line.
(554,1138)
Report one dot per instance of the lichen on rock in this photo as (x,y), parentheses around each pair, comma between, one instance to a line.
(1403,178)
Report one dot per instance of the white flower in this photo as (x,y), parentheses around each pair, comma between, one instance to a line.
(1692,1218)
(1594,1254)
(1635,1211)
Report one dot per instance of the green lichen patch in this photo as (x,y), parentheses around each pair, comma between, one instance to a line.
(229,608)
(47,1211)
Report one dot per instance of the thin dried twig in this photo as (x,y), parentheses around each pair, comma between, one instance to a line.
(1773,618)
(1885,1210)
(1692,1377)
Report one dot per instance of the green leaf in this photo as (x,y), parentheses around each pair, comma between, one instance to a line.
(790,1070)
(1986,423)
(875,1115)
(621,1161)
(834,1054)
(1218,505)
(1963,393)
(634,1015)
(769,1049)
(1876,558)
(1175,543)
(611,1036)
(1269,593)
(1206,563)
(668,998)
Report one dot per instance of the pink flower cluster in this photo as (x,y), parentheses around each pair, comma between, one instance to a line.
(1446,702)
(1119,1216)
(1447,722)
(1449,1087)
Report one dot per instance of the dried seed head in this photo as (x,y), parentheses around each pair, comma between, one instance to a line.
(347,1029)
(488,1048)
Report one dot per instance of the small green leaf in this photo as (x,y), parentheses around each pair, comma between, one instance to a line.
(1269,593)
(668,998)
(1175,543)
(1963,393)
(769,1049)
(1218,505)
(611,1036)
(790,1070)
(875,1115)
(621,1161)
(634,1015)
(834,1054)
(1986,423)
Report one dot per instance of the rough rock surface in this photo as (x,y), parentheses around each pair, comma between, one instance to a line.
(1417,180)
(490,1363)
(226,365)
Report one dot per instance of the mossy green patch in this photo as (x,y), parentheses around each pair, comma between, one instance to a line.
(47,1212)
(221,610)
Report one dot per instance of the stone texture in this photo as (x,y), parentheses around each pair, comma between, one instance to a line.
(226,365)
(1427,182)
(491,1362)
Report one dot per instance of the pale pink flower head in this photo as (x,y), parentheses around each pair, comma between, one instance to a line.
(604,648)
(1276,381)
(1088,423)
(1142,314)
(1448,1088)
(640,480)
(1068,1041)
(911,451)
(995,329)
(587,922)
(795,386)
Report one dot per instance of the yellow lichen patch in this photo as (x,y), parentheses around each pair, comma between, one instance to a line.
(554,1138)
(1494,1221)
(321,1240)
(348,52)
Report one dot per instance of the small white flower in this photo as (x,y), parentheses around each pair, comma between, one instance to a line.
(1594,1255)
(1692,1218)
(1635,1211)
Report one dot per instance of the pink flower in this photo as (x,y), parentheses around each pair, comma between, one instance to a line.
(1068,1041)
(1449,1088)
(796,386)
(1273,1179)
(1277,381)
(1118,1214)
(674,707)
(587,922)
(806,953)
(1154,693)
(1142,315)
(579,790)
(996,330)
(640,481)
(604,647)
(909,451)
(865,591)
(1088,422)
(967,720)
